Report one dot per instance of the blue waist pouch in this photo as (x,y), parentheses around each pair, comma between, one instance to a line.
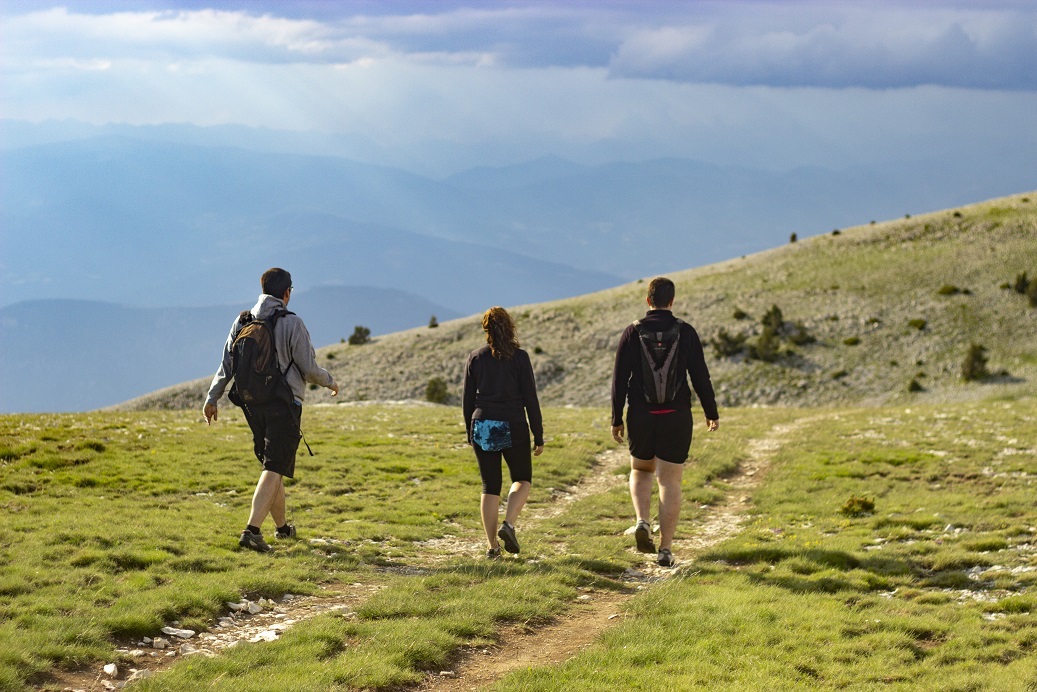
(491,435)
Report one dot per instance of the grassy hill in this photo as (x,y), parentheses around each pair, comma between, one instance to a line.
(876,308)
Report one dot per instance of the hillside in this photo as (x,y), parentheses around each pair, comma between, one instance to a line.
(860,293)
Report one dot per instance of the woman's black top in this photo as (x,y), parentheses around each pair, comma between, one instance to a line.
(501,390)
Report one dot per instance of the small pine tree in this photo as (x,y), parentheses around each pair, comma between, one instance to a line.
(433,322)
(436,391)
(766,347)
(726,345)
(974,366)
(361,335)
(773,319)
(1021,283)
(793,238)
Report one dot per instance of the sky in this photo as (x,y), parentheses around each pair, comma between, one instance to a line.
(765,83)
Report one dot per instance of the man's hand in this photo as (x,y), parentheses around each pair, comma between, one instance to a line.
(538,450)
(617,433)
(712,425)
(211,413)
(334,388)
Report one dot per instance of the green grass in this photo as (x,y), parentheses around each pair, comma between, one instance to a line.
(933,590)
(119,523)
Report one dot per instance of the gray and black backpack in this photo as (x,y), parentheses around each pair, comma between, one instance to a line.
(660,362)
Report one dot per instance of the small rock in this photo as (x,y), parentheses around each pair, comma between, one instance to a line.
(613,616)
(159,643)
(447,674)
(187,649)
(584,597)
(139,675)
(255,608)
(175,632)
(237,606)
(111,670)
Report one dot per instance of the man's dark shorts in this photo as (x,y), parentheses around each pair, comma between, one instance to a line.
(663,435)
(275,435)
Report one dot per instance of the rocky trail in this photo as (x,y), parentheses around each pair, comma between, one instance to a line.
(518,646)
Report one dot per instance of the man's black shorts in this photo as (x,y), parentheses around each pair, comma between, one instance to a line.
(666,436)
(275,435)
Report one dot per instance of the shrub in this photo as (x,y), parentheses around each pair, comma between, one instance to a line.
(433,322)
(915,386)
(537,350)
(740,314)
(361,335)
(852,340)
(949,290)
(773,319)
(793,238)
(727,345)
(857,506)
(436,391)
(974,367)
(766,347)
(917,323)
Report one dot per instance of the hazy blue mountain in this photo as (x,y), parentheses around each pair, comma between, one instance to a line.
(74,355)
(190,224)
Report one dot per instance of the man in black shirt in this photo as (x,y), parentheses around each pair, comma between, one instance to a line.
(659,421)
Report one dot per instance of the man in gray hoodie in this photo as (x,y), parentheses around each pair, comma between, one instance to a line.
(275,425)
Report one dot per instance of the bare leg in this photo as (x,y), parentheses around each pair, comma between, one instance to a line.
(670,476)
(277,508)
(267,488)
(641,482)
(517,497)
(490,507)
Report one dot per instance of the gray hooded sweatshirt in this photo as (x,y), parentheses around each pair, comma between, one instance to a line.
(294,349)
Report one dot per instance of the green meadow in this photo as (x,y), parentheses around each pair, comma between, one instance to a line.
(884,547)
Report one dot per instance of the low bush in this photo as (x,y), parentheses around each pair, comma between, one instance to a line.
(974,367)
(436,391)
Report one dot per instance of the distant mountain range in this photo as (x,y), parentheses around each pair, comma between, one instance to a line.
(73,355)
(882,314)
(150,224)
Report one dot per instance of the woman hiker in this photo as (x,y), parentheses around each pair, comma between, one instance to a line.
(499,393)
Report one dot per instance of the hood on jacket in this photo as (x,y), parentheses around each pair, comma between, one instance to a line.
(265,306)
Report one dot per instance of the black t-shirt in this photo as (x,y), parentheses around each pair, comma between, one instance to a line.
(628,381)
(501,390)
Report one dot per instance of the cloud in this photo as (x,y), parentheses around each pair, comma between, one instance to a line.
(741,43)
(833,48)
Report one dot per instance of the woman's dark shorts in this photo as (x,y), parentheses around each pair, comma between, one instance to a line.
(275,435)
(666,436)
(519,457)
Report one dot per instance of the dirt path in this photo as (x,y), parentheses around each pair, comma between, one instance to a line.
(518,647)
(521,647)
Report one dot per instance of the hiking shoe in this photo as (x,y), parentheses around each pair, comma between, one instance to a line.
(507,534)
(493,553)
(643,536)
(253,541)
(666,558)
(286,531)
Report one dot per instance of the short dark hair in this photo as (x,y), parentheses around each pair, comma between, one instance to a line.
(276,282)
(661,292)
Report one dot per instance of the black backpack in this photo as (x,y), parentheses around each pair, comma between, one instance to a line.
(660,363)
(253,358)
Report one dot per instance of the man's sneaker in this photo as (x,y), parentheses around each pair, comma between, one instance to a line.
(643,536)
(507,534)
(286,531)
(253,541)
(493,553)
(666,558)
